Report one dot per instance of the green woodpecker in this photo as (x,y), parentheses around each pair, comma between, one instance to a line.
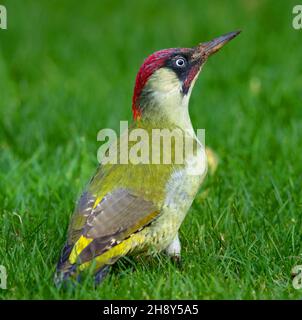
(138,208)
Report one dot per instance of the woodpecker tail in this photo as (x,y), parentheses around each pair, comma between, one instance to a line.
(66,271)
(101,274)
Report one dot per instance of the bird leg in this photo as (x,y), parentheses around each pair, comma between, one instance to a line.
(173,249)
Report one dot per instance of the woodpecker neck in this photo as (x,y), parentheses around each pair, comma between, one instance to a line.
(162,102)
(167,112)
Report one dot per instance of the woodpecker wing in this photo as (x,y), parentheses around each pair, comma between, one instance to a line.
(119,201)
(118,215)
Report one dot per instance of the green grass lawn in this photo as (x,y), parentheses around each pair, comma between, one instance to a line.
(67,71)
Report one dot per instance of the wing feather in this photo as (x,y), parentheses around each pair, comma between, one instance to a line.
(118,215)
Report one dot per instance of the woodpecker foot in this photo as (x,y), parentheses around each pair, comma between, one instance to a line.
(176,260)
(174,248)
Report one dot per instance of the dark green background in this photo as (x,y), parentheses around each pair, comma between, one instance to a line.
(67,70)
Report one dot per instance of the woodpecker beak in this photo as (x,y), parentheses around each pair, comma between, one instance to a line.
(201,54)
(206,49)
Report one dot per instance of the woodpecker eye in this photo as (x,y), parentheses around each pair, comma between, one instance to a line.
(180,62)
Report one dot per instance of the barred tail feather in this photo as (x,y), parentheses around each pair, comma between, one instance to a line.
(65,270)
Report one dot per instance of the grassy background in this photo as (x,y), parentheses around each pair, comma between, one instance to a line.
(67,70)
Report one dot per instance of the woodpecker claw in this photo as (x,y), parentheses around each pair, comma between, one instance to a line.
(176,260)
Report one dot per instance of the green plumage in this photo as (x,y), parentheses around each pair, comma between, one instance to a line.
(139,207)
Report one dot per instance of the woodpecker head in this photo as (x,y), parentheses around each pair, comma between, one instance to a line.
(166,78)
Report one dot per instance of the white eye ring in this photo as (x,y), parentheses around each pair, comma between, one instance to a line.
(180,62)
